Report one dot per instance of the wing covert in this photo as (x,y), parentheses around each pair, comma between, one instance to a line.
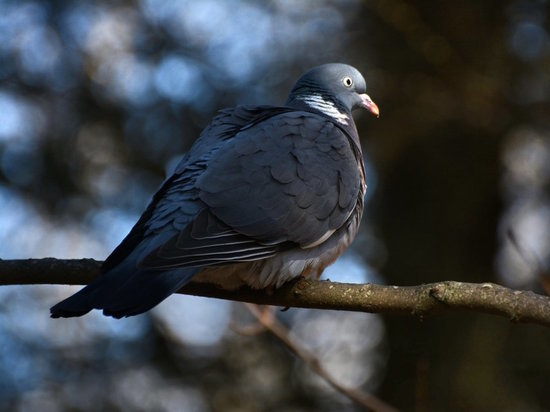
(293,177)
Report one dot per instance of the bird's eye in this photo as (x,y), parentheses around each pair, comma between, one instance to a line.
(347,81)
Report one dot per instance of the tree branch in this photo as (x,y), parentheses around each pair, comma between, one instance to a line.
(366,401)
(421,301)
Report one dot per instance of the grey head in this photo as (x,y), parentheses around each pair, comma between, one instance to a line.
(335,89)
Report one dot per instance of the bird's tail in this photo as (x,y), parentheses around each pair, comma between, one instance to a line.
(120,295)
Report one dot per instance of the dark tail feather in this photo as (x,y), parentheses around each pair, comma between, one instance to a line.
(75,305)
(120,295)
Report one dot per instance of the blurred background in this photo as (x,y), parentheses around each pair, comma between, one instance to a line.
(98,102)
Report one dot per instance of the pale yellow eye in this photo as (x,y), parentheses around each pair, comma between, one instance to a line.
(348,82)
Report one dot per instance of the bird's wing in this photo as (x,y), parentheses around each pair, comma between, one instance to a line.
(176,203)
(290,180)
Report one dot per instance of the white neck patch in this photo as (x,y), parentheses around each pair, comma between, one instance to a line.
(327,107)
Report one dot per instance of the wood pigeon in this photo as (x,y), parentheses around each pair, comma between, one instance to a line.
(265,194)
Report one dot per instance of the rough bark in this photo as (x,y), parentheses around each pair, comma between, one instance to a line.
(422,300)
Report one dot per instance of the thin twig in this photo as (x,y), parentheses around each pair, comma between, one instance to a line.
(248,330)
(270,322)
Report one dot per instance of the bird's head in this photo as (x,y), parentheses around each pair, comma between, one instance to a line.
(334,89)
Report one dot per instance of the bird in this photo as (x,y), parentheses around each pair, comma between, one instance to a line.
(265,194)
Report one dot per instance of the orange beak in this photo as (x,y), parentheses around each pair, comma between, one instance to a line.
(368,104)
